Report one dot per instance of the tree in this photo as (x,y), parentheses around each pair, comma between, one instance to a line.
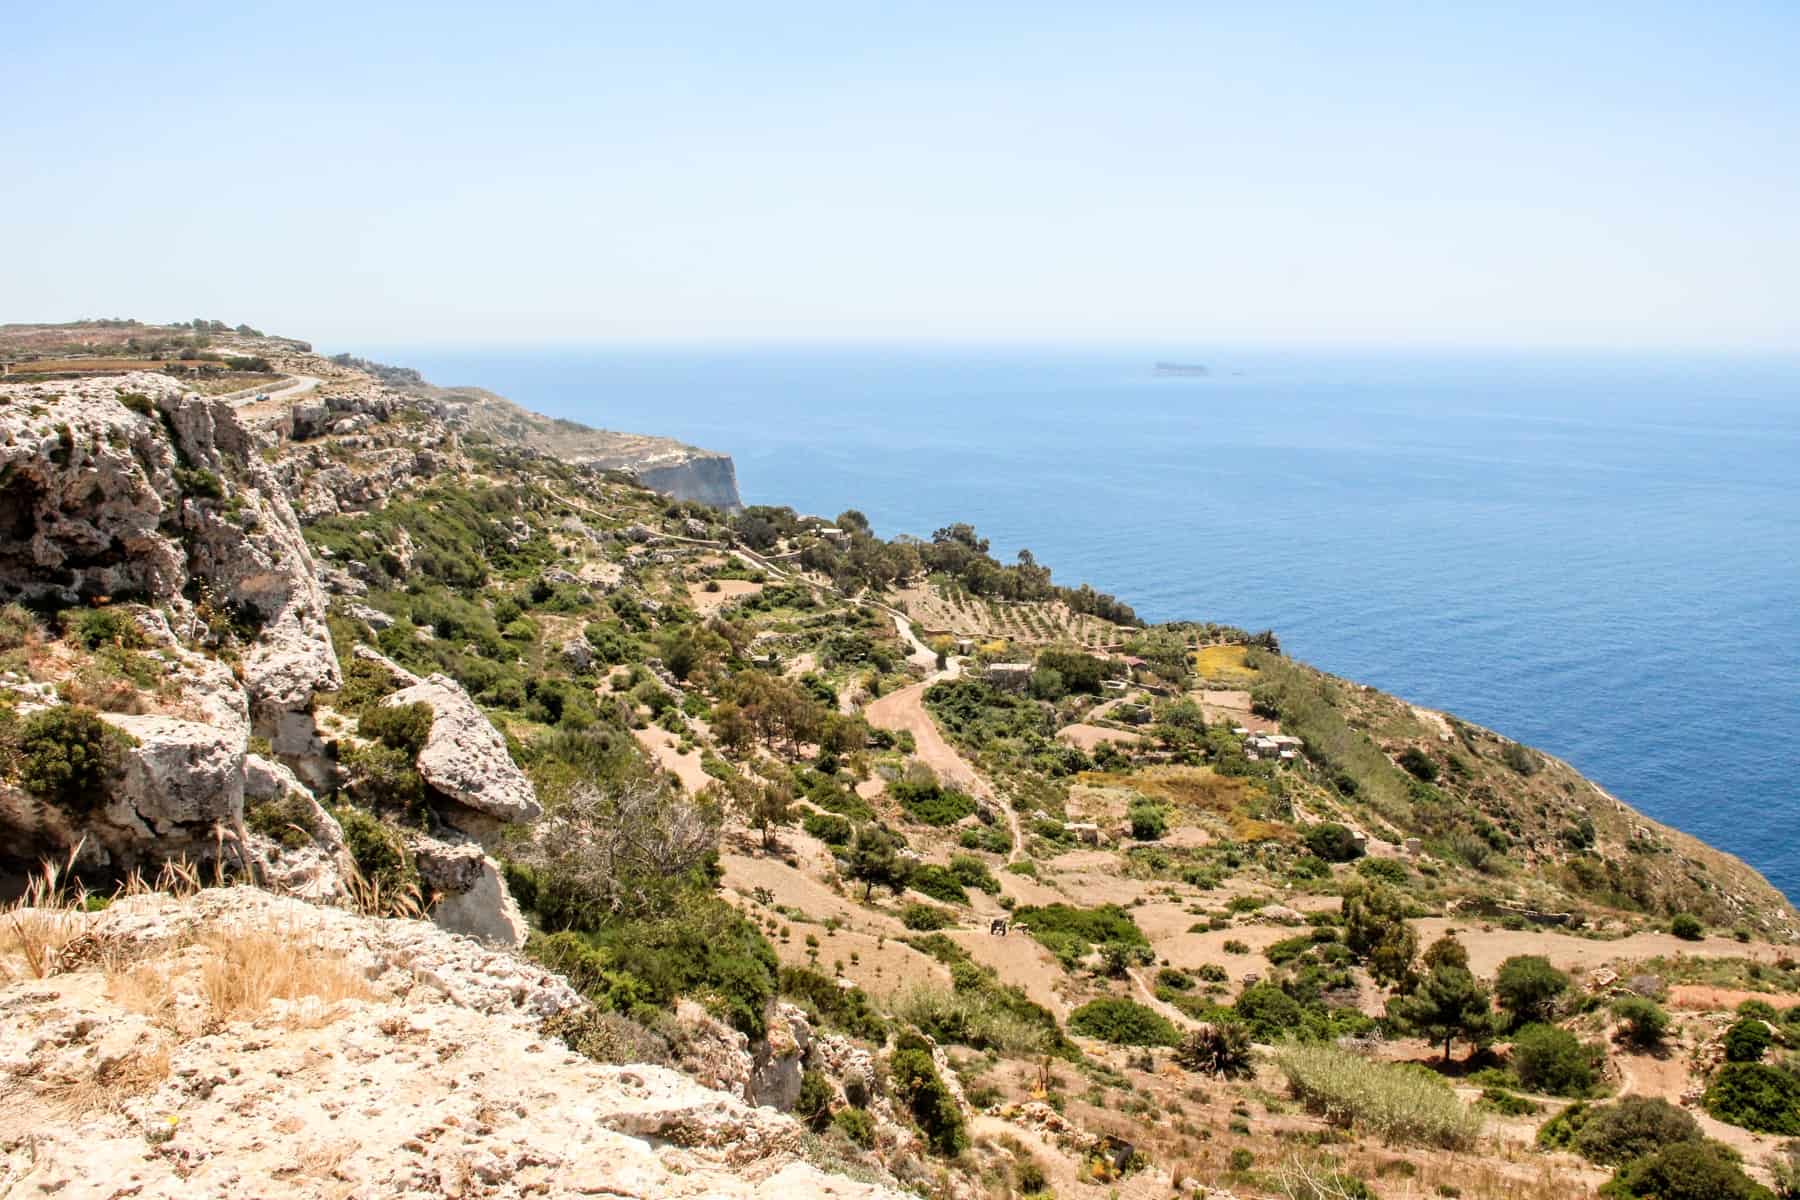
(1528,987)
(875,861)
(619,848)
(1376,932)
(1448,1004)
(1446,952)
(768,805)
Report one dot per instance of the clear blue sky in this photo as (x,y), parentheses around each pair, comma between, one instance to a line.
(1587,174)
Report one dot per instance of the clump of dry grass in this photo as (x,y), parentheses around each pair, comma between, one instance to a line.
(248,970)
(38,927)
(112,1084)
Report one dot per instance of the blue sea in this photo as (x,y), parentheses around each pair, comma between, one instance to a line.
(1597,555)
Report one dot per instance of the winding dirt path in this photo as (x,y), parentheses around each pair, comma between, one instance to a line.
(905,710)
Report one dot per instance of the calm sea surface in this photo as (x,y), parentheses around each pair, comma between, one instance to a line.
(1598,556)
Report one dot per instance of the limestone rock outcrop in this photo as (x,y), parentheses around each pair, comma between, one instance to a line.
(469,896)
(465,758)
(415,1067)
(181,793)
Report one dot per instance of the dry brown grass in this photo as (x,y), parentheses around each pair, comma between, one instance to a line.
(246,971)
(1197,789)
(112,1084)
(40,925)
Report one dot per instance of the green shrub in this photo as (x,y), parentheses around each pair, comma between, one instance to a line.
(917,1084)
(1332,842)
(701,947)
(1169,977)
(1270,1013)
(1506,1103)
(927,917)
(1747,1040)
(403,726)
(855,1124)
(827,1004)
(93,628)
(1757,1097)
(384,777)
(972,872)
(940,883)
(1419,764)
(1070,933)
(1388,870)
(829,828)
(931,804)
(1149,820)
(1394,1102)
(1635,1126)
(983,1014)
(813,1107)
(1644,1023)
(1687,927)
(1685,1171)
(1123,1023)
(380,853)
(68,756)
(1548,1059)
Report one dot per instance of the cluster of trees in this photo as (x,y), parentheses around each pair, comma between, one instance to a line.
(956,551)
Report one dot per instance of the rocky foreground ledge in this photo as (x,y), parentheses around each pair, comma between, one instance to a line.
(236,1043)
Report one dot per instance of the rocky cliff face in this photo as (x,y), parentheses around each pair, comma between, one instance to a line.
(661,464)
(236,1043)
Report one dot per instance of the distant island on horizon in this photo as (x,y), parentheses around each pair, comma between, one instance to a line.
(1187,370)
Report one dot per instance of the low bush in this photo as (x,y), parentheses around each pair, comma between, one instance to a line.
(1332,842)
(940,883)
(1643,1023)
(1685,1171)
(926,917)
(1071,933)
(67,756)
(845,1008)
(1687,927)
(930,803)
(972,872)
(379,852)
(918,1086)
(1149,820)
(1552,1060)
(1631,1128)
(403,726)
(1747,1040)
(982,1016)
(1757,1097)
(829,828)
(813,1107)
(1400,1104)
(93,628)
(1123,1023)
(855,1124)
